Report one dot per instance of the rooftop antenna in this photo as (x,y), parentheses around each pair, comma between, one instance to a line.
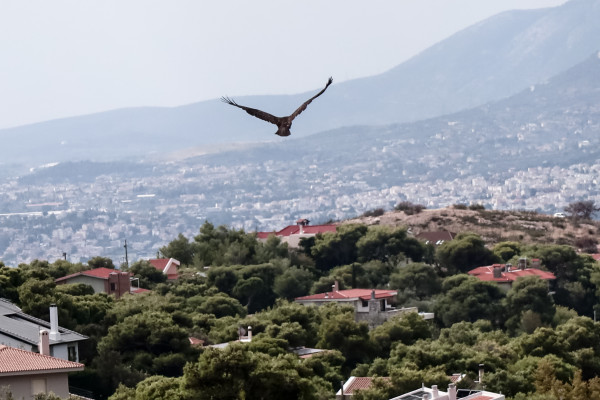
(126,258)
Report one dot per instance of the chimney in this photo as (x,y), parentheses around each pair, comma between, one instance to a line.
(434,392)
(336,286)
(481,374)
(452,391)
(44,343)
(54,333)
(522,263)
(497,272)
(248,337)
(508,267)
(536,263)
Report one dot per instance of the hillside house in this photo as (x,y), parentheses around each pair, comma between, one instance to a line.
(167,266)
(244,336)
(505,274)
(26,374)
(373,306)
(102,280)
(453,393)
(436,238)
(22,331)
(354,384)
(292,234)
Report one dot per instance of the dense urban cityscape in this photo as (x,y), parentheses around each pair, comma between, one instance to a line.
(95,218)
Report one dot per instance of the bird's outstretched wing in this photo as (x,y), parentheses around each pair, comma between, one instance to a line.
(253,111)
(307,102)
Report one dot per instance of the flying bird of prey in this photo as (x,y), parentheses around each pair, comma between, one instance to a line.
(283,123)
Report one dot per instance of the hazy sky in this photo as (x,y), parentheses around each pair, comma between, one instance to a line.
(69,57)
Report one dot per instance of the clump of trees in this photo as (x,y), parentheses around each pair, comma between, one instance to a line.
(532,344)
(376,212)
(581,210)
(409,208)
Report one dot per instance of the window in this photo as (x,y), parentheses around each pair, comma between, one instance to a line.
(113,287)
(38,386)
(72,353)
(365,303)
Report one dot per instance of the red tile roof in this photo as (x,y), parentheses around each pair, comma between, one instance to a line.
(360,383)
(436,236)
(350,294)
(195,341)
(486,273)
(19,362)
(295,230)
(101,273)
(139,290)
(161,263)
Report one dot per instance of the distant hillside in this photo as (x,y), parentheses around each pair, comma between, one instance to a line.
(488,61)
(492,225)
(553,125)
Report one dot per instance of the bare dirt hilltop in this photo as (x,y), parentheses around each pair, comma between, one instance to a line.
(493,226)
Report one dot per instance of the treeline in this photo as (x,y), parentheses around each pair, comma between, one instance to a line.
(139,345)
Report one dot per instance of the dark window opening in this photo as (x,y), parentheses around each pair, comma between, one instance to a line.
(72,353)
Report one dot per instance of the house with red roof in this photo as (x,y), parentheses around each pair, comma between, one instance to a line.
(167,266)
(505,274)
(27,374)
(452,394)
(373,306)
(436,238)
(102,280)
(292,234)
(354,384)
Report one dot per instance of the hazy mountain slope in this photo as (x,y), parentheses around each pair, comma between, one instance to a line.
(539,150)
(488,61)
(554,124)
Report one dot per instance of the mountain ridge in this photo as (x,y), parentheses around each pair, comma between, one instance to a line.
(485,62)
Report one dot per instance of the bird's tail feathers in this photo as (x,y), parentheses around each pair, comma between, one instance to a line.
(227,100)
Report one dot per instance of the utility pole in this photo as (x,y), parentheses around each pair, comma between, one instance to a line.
(65,255)
(126,258)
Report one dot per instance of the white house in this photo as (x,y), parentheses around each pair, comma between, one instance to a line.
(373,306)
(22,331)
